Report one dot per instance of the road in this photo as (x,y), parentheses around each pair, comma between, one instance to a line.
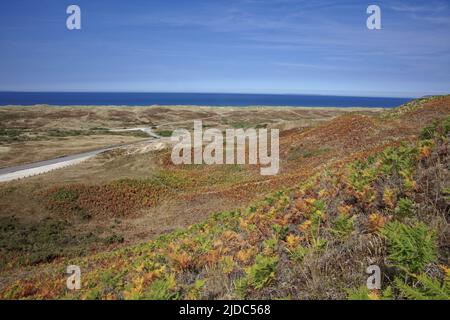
(36,168)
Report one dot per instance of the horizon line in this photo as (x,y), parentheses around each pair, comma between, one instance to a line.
(231,93)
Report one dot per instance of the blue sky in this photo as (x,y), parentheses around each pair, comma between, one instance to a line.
(251,46)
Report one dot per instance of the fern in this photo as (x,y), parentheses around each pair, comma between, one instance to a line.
(361,293)
(400,160)
(298,253)
(262,272)
(343,226)
(163,289)
(426,288)
(405,207)
(410,247)
(362,173)
(437,130)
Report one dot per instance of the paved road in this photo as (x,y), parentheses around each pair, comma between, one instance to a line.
(32,169)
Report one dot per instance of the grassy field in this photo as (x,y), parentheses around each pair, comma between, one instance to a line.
(351,183)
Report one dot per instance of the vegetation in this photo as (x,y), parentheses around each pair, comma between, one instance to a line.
(405,207)
(21,135)
(425,288)
(246,247)
(261,272)
(410,247)
(14,135)
(164,133)
(300,152)
(385,205)
(437,130)
(95,131)
(118,198)
(35,244)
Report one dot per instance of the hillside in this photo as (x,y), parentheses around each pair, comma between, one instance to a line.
(354,191)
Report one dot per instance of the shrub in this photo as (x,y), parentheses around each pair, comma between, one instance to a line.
(270,244)
(298,254)
(195,292)
(163,289)
(292,241)
(438,129)
(392,161)
(389,197)
(300,152)
(164,133)
(241,286)
(410,247)
(121,197)
(427,133)
(343,226)
(246,255)
(64,194)
(28,243)
(405,207)
(227,264)
(362,173)
(446,126)
(114,238)
(317,217)
(262,271)
(401,160)
(376,221)
(280,231)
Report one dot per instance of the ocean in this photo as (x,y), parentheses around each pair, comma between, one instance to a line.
(198,99)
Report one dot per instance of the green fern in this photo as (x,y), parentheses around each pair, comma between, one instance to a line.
(405,207)
(361,293)
(163,289)
(410,247)
(425,288)
(262,271)
(343,226)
